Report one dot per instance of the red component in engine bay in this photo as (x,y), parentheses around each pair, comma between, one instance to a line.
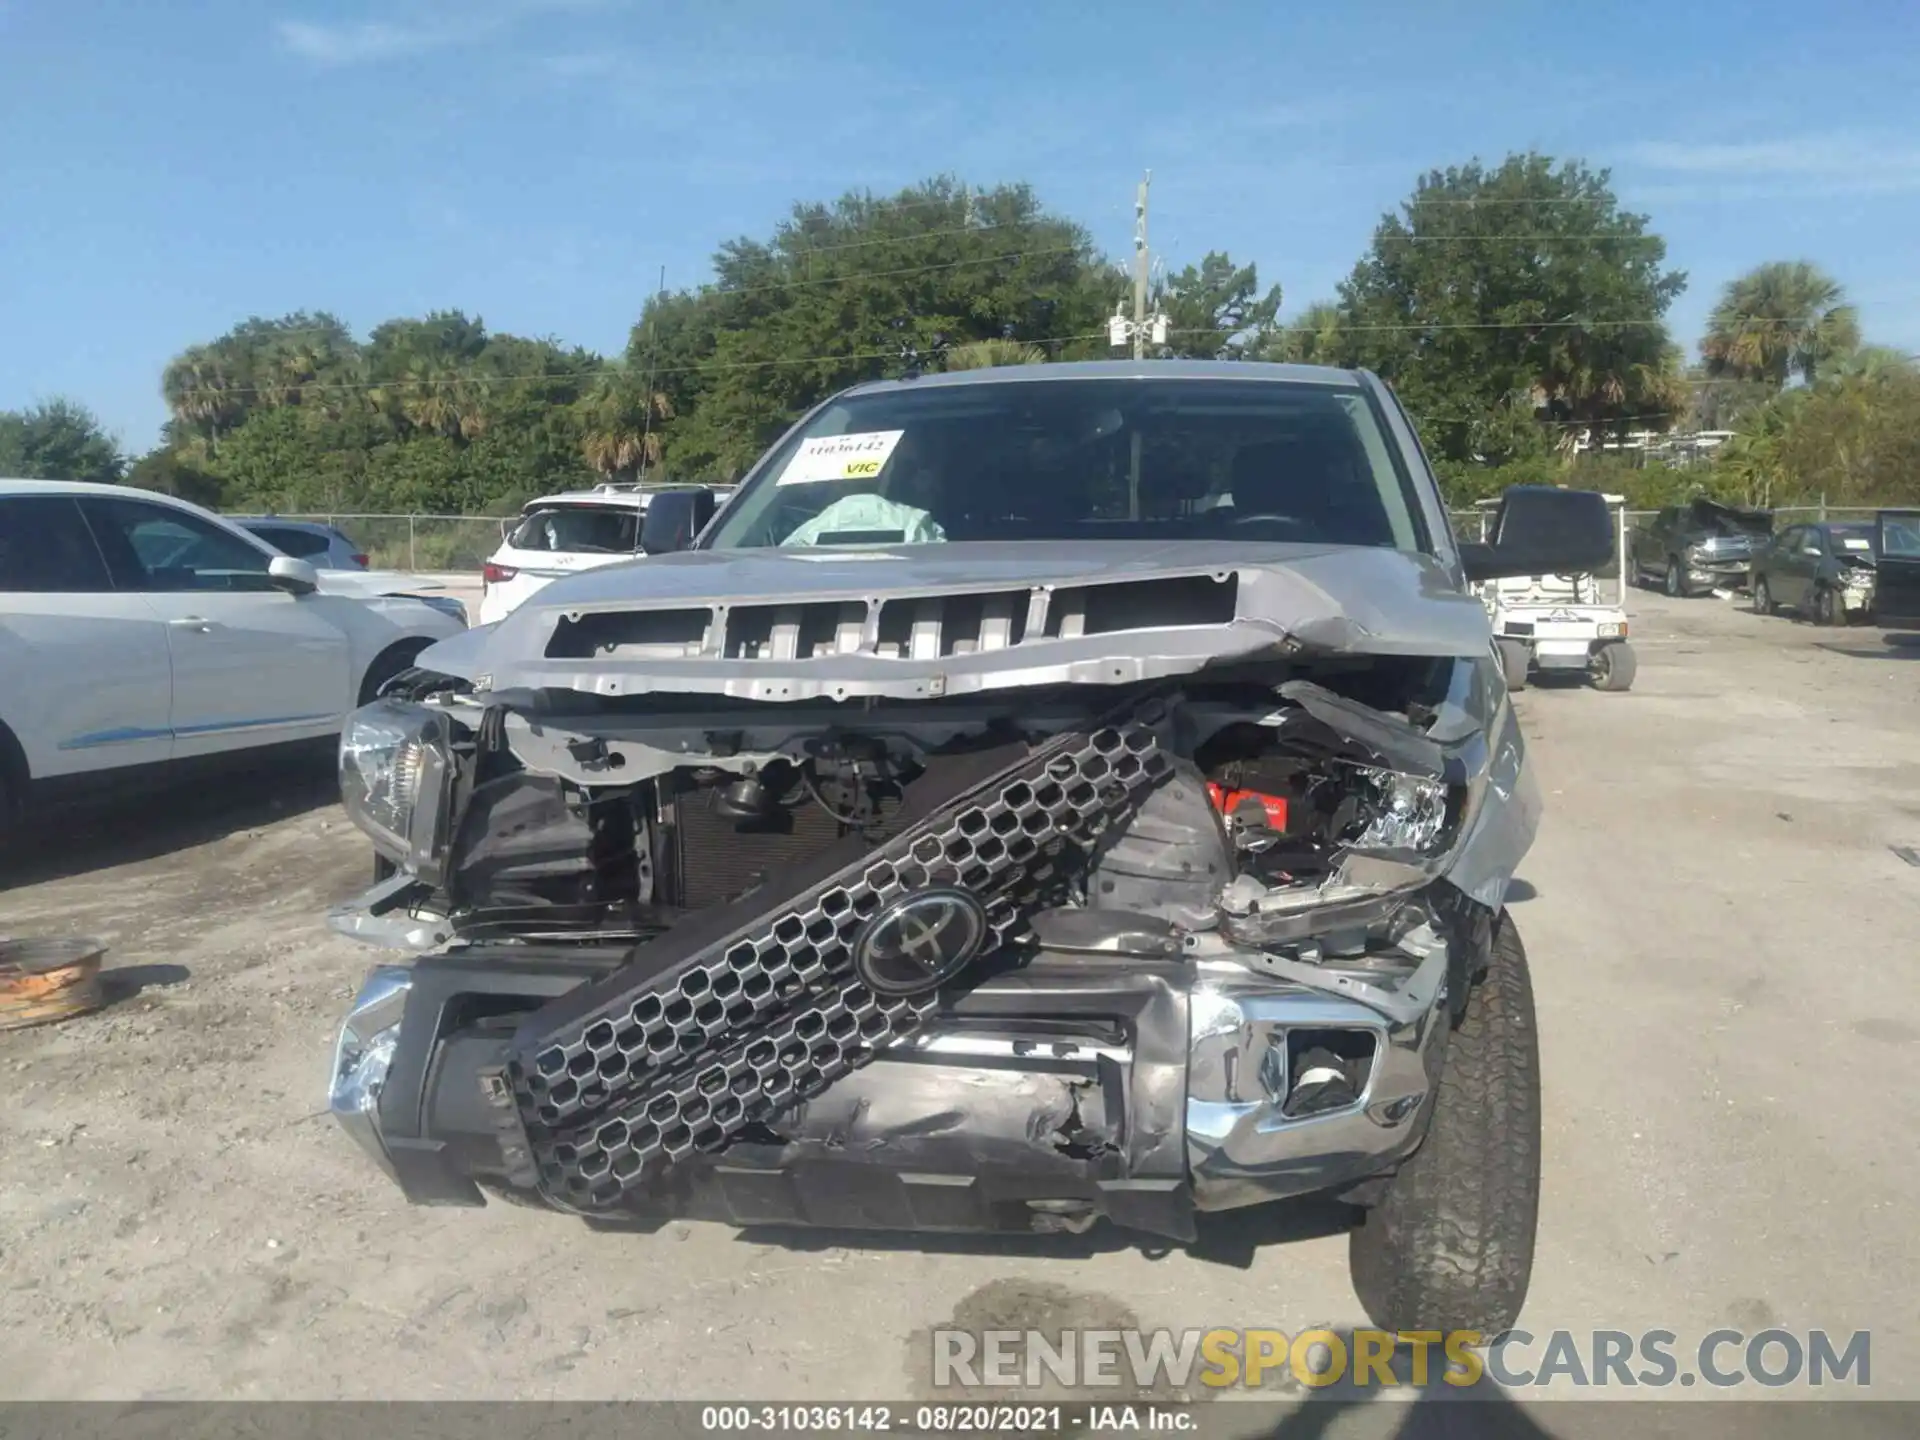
(1230,802)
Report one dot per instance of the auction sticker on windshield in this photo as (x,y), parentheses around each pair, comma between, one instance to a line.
(840,457)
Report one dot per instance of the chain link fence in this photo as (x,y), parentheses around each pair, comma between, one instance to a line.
(418,542)
(463,542)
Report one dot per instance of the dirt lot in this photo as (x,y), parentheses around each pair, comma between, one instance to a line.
(1723,949)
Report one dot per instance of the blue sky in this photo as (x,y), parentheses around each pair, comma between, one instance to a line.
(168,169)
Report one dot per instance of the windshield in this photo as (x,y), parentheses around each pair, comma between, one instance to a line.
(306,544)
(612,529)
(1855,539)
(1726,522)
(1053,460)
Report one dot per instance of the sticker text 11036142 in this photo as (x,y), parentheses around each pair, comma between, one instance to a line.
(840,457)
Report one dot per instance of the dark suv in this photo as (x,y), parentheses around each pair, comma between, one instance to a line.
(1702,545)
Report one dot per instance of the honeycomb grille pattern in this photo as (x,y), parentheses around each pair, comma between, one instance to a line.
(775,1013)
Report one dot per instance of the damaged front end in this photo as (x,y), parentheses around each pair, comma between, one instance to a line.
(1006,958)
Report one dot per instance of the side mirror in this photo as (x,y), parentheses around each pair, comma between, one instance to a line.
(296,577)
(1542,530)
(673,518)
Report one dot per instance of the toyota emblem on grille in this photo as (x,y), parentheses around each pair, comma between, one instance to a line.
(920,941)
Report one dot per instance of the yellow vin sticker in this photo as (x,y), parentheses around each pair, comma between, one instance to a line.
(840,457)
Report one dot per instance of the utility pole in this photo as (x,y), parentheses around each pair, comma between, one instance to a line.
(1120,330)
(1140,268)
(646,394)
(1142,326)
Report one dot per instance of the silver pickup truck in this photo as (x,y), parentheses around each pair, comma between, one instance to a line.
(1041,796)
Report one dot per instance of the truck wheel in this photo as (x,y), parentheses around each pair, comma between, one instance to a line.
(1763,597)
(1514,660)
(1826,606)
(1450,1247)
(1676,580)
(1614,665)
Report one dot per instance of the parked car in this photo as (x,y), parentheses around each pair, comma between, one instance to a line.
(139,632)
(325,547)
(559,535)
(1896,599)
(1826,570)
(1560,624)
(964,768)
(1700,546)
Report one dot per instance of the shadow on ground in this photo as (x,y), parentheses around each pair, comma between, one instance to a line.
(56,843)
(1232,1237)
(1899,646)
(130,980)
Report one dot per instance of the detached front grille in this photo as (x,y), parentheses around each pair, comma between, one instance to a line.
(740,1012)
(900,627)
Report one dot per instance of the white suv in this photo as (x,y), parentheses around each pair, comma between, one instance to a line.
(558,535)
(137,631)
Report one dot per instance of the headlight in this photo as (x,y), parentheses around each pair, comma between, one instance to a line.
(1612,629)
(1409,812)
(364,1053)
(396,769)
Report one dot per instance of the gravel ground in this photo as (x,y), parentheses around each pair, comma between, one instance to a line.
(1722,944)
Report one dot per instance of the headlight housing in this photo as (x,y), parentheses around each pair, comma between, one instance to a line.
(396,774)
(364,1053)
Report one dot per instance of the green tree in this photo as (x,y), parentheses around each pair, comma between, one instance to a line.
(58,440)
(1779,320)
(983,354)
(843,291)
(1521,291)
(1215,310)
(206,393)
(1314,337)
(620,421)
(166,472)
(421,374)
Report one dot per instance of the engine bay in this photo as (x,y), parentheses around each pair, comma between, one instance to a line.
(1286,783)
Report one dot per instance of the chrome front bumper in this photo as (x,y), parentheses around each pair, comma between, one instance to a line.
(1184,1110)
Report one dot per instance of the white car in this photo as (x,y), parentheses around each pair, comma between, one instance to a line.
(138,631)
(559,535)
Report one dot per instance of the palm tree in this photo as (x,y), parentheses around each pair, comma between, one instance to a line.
(436,395)
(618,434)
(1312,338)
(205,393)
(981,354)
(1778,320)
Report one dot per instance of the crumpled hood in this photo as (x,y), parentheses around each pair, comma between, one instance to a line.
(929,620)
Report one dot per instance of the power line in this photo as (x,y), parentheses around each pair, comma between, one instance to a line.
(584,376)
(1598,235)
(885,274)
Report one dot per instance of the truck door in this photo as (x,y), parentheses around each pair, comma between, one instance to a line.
(1896,602)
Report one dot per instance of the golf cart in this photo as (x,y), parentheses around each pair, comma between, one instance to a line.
(1560,623)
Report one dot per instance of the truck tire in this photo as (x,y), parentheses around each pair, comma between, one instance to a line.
(1614,665)
(1763,602)
(1450,1246)
(1514,660)
(1826,607)
(1676,585)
